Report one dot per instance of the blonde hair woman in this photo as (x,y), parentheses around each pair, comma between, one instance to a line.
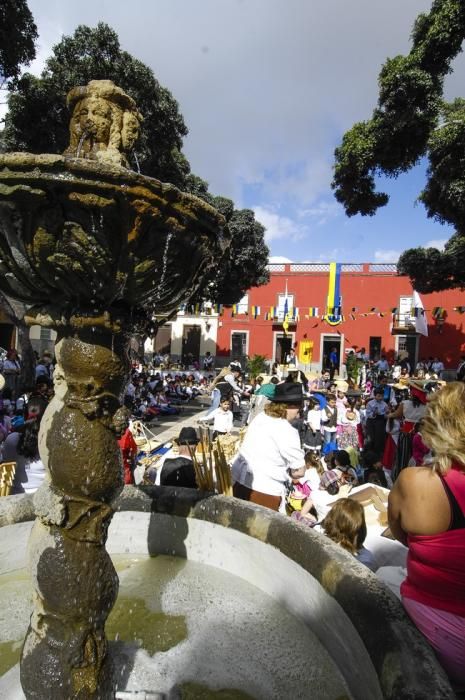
(271,446)
(427,513)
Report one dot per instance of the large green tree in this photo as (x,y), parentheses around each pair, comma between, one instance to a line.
(246,263)
(411,121)
(18,34)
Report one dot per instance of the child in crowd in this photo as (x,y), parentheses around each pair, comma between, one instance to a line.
(345,524)
(299,504)
(329,420)
(341,461)
(373,472)
(312,436)
(349,419)
(222,418)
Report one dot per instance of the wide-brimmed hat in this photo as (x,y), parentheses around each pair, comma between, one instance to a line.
(289,392)
(187,436)
(418,391)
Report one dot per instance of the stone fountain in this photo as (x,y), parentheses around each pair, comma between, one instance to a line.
(97,252)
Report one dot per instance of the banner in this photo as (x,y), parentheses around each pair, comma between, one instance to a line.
(333,311)
(305,352)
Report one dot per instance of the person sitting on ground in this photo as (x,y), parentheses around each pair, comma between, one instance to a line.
(179,471)
(373,472)
(426,512)
(299,504)
(22,446)
(221,417)
(345,524)
(341,461)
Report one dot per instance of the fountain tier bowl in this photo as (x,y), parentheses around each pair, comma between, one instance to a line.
(358,641)
(87,234)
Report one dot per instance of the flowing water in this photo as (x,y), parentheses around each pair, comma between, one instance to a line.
(179,624)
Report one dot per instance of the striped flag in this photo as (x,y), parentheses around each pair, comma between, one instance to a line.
(313,311)
(255,311)
(234,310)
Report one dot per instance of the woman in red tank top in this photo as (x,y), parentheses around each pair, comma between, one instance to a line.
(427,513)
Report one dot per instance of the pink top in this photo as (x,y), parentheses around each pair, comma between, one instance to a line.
(303,488)
(436,563)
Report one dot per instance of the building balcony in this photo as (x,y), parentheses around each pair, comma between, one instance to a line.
(403,325)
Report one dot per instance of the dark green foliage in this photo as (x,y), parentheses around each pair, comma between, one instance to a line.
(18,33)
(245,264)
(256,365)
(38,118)
(432,270)
(412,121)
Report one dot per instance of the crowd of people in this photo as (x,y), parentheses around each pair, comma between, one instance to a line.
(307,443)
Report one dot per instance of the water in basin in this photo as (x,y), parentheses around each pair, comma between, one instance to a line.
(209,633)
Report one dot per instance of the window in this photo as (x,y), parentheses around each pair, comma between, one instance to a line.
(405,311)
(282,302)
(45,334)
(375,347)
(243,305)
(238,345)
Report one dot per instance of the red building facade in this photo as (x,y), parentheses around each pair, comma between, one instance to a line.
(377,310)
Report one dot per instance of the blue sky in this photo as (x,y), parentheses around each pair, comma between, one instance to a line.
(267,89)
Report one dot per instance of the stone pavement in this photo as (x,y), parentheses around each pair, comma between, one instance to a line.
(167,428)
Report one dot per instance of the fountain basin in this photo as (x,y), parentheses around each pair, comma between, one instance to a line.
(97,236)
(364,634)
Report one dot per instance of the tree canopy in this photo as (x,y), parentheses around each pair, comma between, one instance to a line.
(245,264)
(18,33)
(411,121)
(38,122)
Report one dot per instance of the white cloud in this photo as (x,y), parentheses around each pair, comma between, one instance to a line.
(278,226)
(438,243)
(321,211)
(386,256)
(275,259)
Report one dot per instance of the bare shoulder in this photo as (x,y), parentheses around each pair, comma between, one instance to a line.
(419,496)
(414,484)
(416,478)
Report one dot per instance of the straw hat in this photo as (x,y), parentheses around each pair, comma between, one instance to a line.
(341,385)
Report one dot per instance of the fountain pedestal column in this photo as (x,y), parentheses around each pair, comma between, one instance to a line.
(75,583)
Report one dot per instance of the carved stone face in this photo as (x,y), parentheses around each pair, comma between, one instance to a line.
(130,131)
(95,118)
